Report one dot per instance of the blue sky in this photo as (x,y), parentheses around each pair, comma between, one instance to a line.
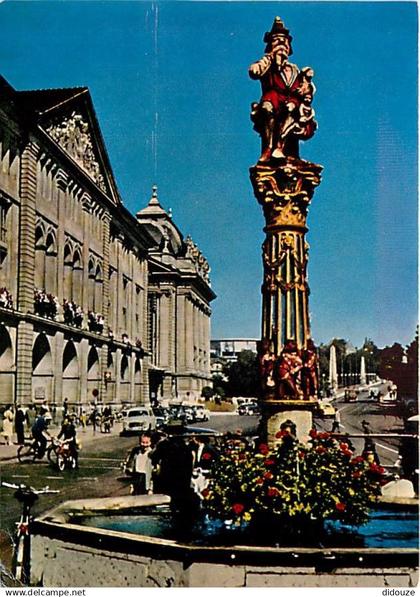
(170,86)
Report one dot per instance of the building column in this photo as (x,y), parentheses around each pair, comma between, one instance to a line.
(144,376)
(26,277)
(83,372)
(103,351)
(61,181)
(117,365)
(189,338)
(58,370)
(81,279)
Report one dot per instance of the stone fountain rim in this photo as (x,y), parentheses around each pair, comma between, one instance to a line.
(55,524)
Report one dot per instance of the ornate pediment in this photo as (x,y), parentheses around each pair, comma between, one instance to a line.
(73,134)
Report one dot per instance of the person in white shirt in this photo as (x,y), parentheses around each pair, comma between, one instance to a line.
(143,467)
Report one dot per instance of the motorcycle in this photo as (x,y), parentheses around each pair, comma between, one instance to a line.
(63,455)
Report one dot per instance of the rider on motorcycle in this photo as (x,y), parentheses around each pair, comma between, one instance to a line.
(68,434)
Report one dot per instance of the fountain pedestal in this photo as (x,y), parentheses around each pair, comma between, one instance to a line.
(288,364)
(275,414)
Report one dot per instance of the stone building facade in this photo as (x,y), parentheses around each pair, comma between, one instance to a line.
(179,295)
(75,265)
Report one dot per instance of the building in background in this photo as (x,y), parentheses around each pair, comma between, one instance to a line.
(229,349)
(179,295)
(85,287)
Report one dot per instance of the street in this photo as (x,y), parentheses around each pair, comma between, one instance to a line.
(381,419)
(99,473)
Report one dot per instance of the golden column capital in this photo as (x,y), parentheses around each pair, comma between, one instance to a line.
(285,189)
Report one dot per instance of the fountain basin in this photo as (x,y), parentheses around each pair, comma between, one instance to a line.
(68,551)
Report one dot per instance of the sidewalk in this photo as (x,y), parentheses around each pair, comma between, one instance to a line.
(8,453)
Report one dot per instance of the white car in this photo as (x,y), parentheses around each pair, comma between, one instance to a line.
(137,420)
(201,413)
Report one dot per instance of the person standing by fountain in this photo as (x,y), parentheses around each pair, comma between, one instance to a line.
(142,466)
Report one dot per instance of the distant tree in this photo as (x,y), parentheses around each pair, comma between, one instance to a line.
(243,375)
(207,392)
(219,384)
(410,381)
(371,353)
(391,362)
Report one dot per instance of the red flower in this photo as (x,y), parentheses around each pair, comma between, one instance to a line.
(282,433)
(259,481)
(320,450)
(206,456)
(313,433)
(242,456)
(301,454)
(268,475)
(238,508)
(205,492)
(375,468)
(323,435)
(269,462)
(272,491)
(264,449)
(356,474)
(340,506)
(344,446)
(357,460)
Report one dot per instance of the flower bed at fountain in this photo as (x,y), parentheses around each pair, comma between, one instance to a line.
(293,488)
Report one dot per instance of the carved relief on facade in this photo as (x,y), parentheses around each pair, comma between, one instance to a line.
(72,134)
(201,264)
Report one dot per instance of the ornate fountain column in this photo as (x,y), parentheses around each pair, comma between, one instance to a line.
(284,185)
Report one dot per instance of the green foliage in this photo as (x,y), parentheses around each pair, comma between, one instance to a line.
(242,375)
(401,366)
(207,392)
(294,484)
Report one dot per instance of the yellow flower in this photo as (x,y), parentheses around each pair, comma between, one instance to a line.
(247,516)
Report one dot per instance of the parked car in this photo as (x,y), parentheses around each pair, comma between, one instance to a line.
(201,413)
(248,409)
(161,416)
(183,414)
(388,399)
(137,420)
(350,395)
(326,410)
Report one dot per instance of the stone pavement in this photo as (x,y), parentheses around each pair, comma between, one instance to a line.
(88,436)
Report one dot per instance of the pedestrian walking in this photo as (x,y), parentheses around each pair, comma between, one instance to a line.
(83,420)
(336,423)
(366,427)
(94,417)
(20,421)
(54,413)
(8,419)
(30,416)
(65,407)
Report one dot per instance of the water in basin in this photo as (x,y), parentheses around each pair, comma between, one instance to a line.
(385,528)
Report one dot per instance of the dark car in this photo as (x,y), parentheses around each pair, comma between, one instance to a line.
(181,413)
(162,416)
(248,409)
